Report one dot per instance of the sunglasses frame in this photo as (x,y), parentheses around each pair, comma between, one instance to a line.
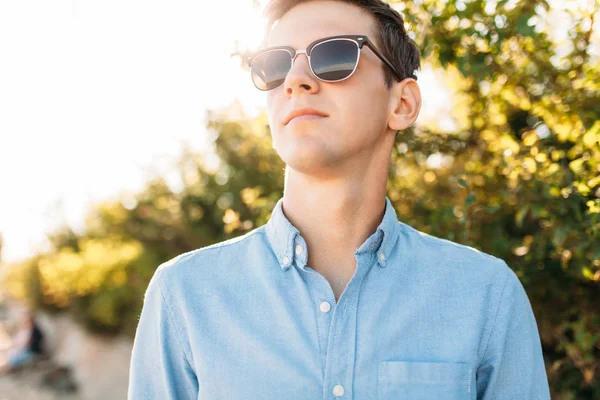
(359,40)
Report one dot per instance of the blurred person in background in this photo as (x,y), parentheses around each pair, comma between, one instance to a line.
(25,345)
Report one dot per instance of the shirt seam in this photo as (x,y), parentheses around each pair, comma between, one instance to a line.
(171,320)
(495,319)
(443,242)
(220,245)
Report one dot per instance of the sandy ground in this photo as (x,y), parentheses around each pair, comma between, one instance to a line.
(24,387)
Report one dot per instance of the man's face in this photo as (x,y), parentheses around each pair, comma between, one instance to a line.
(357,107)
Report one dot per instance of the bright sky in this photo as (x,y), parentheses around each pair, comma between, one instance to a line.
(98,96)
(93,94)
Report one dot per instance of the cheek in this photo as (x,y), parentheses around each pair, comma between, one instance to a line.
(375,104)
(272,113)
(364,113)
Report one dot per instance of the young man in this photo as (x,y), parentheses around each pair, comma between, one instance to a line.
(334,297)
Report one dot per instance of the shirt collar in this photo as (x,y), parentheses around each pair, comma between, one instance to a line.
(288,244)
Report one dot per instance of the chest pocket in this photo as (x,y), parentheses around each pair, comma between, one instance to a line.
(423,380)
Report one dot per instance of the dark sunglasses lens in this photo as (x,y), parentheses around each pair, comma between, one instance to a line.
(334,60)
(269,69)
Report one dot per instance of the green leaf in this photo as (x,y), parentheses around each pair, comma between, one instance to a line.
(470,199)
(592,137)
(522,27)
(492,209)
(559,236)
(520,216)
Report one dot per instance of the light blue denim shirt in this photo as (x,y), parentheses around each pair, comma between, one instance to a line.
(421,318)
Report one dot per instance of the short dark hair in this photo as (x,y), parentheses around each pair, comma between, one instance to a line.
(390,36)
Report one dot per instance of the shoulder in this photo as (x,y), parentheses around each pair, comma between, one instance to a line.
(447,248)
(208,261)
(458,268)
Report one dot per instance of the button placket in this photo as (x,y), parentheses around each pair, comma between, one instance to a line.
(324,310)
(341,347)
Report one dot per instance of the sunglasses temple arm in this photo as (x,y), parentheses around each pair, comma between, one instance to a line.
(385,60)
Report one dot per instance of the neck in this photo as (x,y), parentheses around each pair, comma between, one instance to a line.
(334,216)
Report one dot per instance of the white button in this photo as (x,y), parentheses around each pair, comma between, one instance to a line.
(338,390)
(325,306)
(286,260)
(382,256)
(298,249)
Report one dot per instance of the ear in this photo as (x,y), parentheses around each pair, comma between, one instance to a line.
(405,97)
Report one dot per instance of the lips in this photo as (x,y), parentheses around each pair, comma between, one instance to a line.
(304,111)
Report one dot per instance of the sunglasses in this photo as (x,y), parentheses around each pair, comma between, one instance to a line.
(331,59)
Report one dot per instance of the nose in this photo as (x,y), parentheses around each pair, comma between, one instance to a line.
(300,77)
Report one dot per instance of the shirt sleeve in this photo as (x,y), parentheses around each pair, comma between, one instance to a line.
(159,367)
(512,366)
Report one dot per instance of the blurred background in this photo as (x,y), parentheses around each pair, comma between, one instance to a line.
(130,133)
